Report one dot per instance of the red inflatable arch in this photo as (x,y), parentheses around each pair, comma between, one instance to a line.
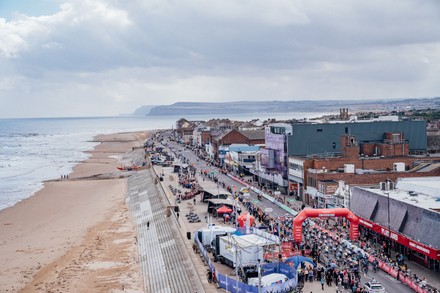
(325,213)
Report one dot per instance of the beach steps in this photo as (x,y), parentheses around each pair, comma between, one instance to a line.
(164,261)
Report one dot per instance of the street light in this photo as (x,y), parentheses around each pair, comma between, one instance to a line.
(259,275)
(273,181)
(389,228)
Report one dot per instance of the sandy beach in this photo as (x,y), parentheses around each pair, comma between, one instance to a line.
(75,235)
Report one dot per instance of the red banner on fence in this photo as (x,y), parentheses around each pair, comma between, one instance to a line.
(402,239)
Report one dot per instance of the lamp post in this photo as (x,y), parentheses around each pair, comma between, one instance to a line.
(273,181)
(389,228)
(259,275)
(236,267)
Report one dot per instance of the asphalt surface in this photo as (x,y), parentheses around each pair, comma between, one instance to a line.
(390,284)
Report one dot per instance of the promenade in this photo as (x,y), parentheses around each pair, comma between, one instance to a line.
(171,179)
(164,260)
(200,266)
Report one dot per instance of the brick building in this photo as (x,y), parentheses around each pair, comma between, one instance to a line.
(316,178)
(234,136)
(374,137)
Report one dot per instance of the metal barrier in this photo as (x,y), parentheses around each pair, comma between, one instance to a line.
(233,285)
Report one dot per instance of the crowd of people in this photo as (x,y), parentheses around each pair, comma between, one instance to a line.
(342,261)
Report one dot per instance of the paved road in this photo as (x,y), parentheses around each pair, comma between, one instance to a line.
(391,285)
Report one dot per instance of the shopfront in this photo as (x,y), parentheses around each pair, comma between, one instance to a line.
(413,250)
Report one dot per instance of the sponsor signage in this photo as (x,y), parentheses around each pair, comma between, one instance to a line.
(326,215)
(293,186)
(393,272)
(401,239)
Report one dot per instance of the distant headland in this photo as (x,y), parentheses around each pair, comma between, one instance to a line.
(250,107)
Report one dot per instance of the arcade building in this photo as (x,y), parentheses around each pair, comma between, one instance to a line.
(406,218)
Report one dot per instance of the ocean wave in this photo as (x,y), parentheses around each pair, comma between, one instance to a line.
(17,134)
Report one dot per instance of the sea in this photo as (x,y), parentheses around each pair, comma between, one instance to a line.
(34,150)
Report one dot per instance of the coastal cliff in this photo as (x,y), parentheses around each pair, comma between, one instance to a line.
(247,107)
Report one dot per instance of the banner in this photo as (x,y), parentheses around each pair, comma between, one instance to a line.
(394,272)
(402,239)
(230,283)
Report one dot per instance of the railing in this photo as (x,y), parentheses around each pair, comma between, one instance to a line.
(233,285)
(325,155)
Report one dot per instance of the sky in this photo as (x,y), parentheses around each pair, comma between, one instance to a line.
(108,57)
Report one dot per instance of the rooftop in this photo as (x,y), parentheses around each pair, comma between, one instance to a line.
(423,192)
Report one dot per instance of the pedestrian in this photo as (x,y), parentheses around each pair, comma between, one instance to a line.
(194,201)
(214,276)
(322,282)
(148,225)
(311,275)
(339,284)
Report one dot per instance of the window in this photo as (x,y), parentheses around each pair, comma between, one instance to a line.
(296,167)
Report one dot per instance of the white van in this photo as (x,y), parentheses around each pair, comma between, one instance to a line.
(269,280)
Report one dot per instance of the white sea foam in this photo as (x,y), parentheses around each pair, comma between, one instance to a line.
(35,150)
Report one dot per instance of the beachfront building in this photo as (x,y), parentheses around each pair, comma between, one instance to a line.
(271,166)
(255,124)
(221,142)
(241,157)
(404,216)
(215,136)
(433,131)
(200,136)
(368,152)
(324,174)
(308,139)
(183,132)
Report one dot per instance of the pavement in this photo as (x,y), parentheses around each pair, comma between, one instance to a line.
(186,206)
(200,208)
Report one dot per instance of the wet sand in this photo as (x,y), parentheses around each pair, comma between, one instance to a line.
(75,234)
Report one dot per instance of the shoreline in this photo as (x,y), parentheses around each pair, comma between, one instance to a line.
(75,234)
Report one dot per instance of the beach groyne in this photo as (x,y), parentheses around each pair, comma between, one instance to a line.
(75,234)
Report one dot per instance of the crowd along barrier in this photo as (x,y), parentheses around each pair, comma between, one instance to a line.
(386,268)
(394,272)
(231,284)
(266,196)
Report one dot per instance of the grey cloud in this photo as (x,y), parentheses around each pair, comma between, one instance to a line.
(212,50)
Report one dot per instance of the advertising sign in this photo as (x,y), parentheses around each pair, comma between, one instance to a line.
(402,239)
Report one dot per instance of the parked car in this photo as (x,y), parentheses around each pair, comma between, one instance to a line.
(374,287)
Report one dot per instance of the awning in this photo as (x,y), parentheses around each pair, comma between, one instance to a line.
(224,210)
(221,201)
(402,239)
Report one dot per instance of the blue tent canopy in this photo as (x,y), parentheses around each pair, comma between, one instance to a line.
(297,259)
(238,233)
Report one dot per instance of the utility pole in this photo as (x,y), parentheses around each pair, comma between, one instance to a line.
(389,228)
(259,276)
(236,212)
(273,181)
(279,255)
(236,265)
